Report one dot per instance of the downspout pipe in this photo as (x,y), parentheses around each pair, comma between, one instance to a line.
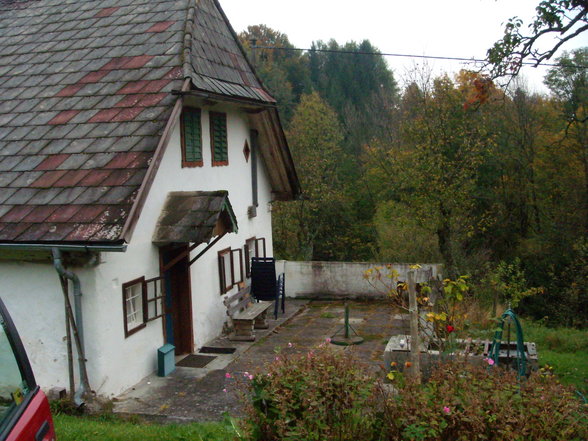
(79,323)
(77,291)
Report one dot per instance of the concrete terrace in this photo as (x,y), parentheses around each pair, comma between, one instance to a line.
(197,394)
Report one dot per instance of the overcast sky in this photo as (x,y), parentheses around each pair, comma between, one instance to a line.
(454,28)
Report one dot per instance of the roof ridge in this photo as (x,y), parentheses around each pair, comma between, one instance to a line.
(241,48)
(187,51)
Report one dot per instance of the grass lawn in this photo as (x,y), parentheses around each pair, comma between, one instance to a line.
(565,349)
(111,428)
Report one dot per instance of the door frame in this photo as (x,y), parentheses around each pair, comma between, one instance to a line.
(186,345)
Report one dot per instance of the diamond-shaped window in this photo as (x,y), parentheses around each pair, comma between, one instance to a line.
(246,151)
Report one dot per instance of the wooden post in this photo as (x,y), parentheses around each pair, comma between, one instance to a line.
(415,341)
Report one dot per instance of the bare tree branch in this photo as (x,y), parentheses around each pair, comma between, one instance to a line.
(562,18)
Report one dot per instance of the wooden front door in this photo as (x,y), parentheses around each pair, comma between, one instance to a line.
(178,299)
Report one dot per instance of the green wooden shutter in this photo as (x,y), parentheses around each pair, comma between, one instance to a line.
(192,135)
(218,134)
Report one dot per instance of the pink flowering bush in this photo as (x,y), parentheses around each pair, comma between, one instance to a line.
(463,402)
(320,395)
(325,395)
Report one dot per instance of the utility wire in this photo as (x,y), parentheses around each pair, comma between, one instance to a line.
(384,54)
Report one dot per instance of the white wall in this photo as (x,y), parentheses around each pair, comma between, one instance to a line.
(33,294)
(339,279)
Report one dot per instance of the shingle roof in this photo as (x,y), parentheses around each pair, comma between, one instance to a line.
(85,93)
(216,62)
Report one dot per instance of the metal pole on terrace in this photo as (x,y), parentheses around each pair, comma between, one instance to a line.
(415,341)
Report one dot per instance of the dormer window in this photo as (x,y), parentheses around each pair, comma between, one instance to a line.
(191,137)
(218,138)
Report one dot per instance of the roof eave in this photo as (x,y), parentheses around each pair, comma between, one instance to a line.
(276,155)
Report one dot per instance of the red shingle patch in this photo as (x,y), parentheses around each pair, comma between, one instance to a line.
(35,232)
(122,160)
(152,99)
(40,213)
(104,115)
(57,232)
(17,214)
(128,114)
(108,232)
(70,90)
(63,213)
(130,101)
(116,63)
(106,12)
(113,215)
(63,117)
(160,27)
(71,178)
(11,231)
(137,62)
(83,232)
(93,77)
(88,213)
(174,74)
(52,162)
(126,63)
(142,160)
(118,177)
(94,178)
(155,86)
(140,100)
(133,87)
(49,178)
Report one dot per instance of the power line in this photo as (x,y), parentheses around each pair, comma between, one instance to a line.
(384,54)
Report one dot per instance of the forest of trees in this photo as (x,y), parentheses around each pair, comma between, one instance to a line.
(450,169)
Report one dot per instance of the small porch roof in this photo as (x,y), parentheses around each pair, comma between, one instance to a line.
(194,217)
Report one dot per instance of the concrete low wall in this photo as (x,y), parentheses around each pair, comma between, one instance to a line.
(339,279)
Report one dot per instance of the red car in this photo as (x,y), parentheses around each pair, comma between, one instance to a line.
(24,409)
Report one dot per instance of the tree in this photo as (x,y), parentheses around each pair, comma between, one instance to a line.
(315,138)
(569,83)
(357,84)
(564,19)
(283,70)
(431,173)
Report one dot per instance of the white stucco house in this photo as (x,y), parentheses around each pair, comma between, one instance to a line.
(139,157)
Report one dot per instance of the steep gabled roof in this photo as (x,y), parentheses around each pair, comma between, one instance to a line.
(215,61)
(85,94)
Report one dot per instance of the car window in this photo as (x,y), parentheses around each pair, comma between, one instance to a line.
(13,387)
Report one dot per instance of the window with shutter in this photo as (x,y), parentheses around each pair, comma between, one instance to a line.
(191,137)
(218,138)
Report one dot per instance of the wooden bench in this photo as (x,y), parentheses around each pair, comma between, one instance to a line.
(246,314)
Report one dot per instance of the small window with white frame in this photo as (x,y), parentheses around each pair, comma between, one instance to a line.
(224,267)
(249,254)
(237,258)
(254,247)
(260,247)
(134,310)
(230,265)
(154,296)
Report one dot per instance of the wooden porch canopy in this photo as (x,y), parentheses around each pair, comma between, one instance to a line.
(194,217)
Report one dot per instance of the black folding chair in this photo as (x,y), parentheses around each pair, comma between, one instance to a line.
(264,285)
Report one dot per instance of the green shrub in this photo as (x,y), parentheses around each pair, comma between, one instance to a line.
(325,396)
(322,395)
(462,402)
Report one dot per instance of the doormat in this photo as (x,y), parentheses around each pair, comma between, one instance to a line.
(195,361)
(216,350)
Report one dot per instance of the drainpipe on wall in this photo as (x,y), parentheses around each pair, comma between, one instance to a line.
(76,323)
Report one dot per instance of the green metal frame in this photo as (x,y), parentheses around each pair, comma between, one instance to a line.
(495,349)
(347,339)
